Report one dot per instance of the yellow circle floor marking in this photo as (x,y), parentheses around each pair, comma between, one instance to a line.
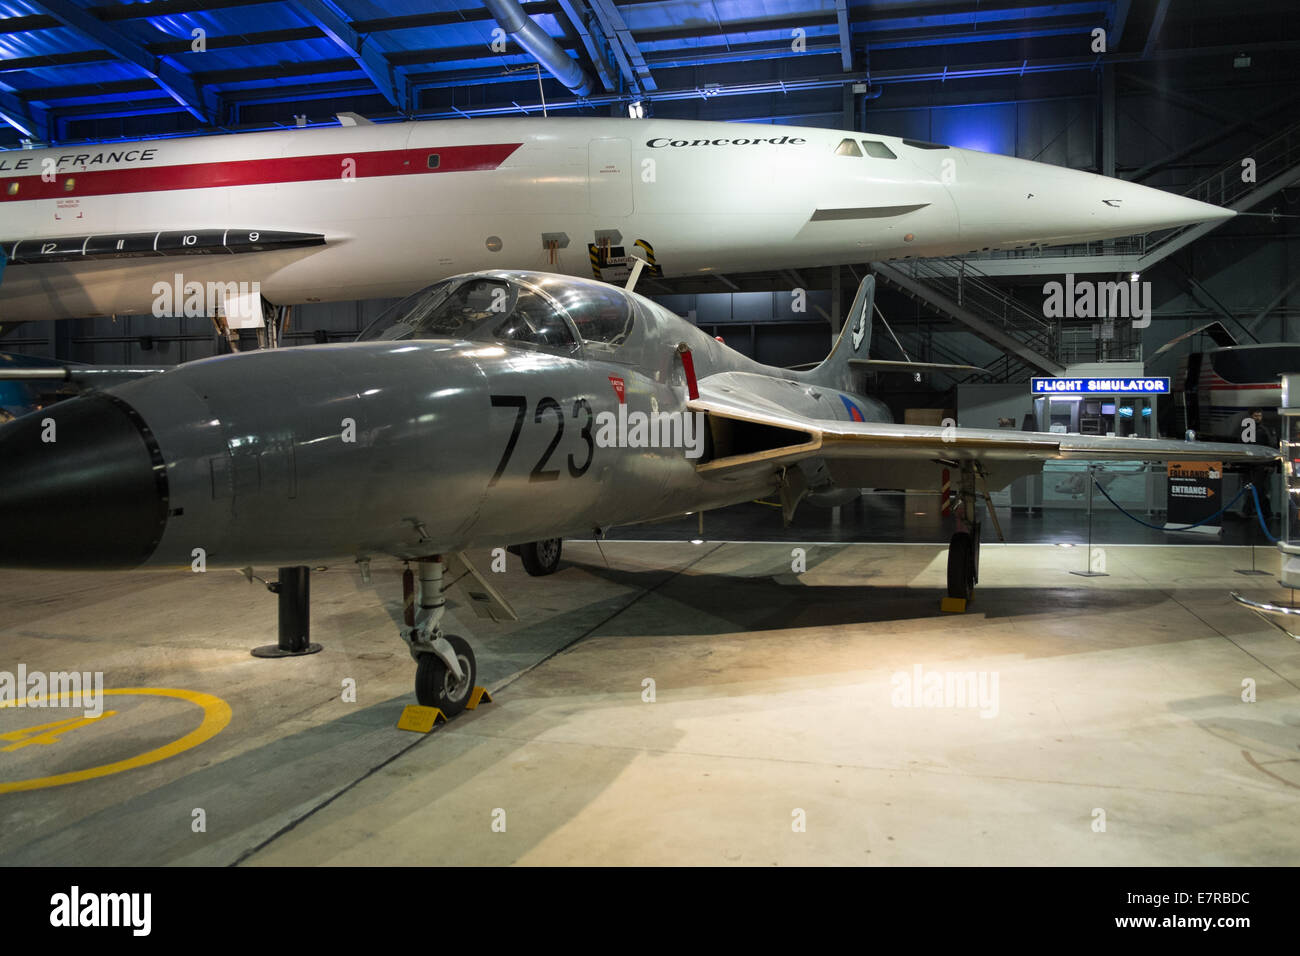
(216,714)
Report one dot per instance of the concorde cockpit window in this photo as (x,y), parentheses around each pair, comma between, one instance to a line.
(480,310)
(847,147)
(877,150)
(921,144)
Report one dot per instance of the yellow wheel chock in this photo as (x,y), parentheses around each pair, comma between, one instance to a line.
(420,719)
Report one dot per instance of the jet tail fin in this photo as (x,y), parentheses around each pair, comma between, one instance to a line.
(838,370)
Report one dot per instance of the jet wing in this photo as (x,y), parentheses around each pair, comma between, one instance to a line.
(750,437)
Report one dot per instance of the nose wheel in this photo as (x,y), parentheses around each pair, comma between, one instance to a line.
(437,686)
(445,669)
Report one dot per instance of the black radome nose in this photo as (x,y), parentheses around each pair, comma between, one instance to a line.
(94,497)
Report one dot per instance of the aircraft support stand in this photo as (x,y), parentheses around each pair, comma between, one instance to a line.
(964,548)
(293,589)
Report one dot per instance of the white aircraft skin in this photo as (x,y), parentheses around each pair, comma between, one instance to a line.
(707,197)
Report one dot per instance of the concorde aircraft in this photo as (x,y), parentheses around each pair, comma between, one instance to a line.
(377,210)
(500,408)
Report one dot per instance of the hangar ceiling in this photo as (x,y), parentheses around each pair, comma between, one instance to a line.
(72,70)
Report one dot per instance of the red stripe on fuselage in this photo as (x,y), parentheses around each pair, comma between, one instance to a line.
(250,172)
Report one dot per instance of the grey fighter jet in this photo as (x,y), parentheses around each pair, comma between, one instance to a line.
(490,409)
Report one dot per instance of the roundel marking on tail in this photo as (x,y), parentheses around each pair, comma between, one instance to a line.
(855,413)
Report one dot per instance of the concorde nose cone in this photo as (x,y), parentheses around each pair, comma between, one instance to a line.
(82,485)
(1152,209)
(1005,201)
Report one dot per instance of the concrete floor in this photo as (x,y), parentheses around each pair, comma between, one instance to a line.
(775,699)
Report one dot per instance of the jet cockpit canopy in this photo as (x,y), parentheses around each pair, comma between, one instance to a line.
(524,310)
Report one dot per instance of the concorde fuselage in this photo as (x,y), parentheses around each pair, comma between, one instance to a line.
(379,210)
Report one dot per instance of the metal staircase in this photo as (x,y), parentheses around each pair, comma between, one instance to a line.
(959,291)
(922,348)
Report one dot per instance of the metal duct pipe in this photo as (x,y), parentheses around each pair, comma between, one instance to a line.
(525,31)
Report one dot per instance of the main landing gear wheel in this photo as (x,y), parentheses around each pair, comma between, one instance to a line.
(436,686)
(963,551)
(541,557)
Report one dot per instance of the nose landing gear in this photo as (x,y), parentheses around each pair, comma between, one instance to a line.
(445,667)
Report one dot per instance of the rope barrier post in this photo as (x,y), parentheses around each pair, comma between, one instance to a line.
(1087,571)
(1156,527)
(1254,533)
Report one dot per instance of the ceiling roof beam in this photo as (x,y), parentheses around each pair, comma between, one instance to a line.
(125,11)
(913,75)
(56,59)
(251,74)
(470,15)
(733,27)
(282,93)
(29,24)
(161,47)
(456,54)
(368,56)
(444,79)
(635,68)
(1157,24)
(700,56)
(179,85)
(613,99)
(846,34)
(1118,18)
(18,113)
(232,41)
(110,12)
(78,91)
